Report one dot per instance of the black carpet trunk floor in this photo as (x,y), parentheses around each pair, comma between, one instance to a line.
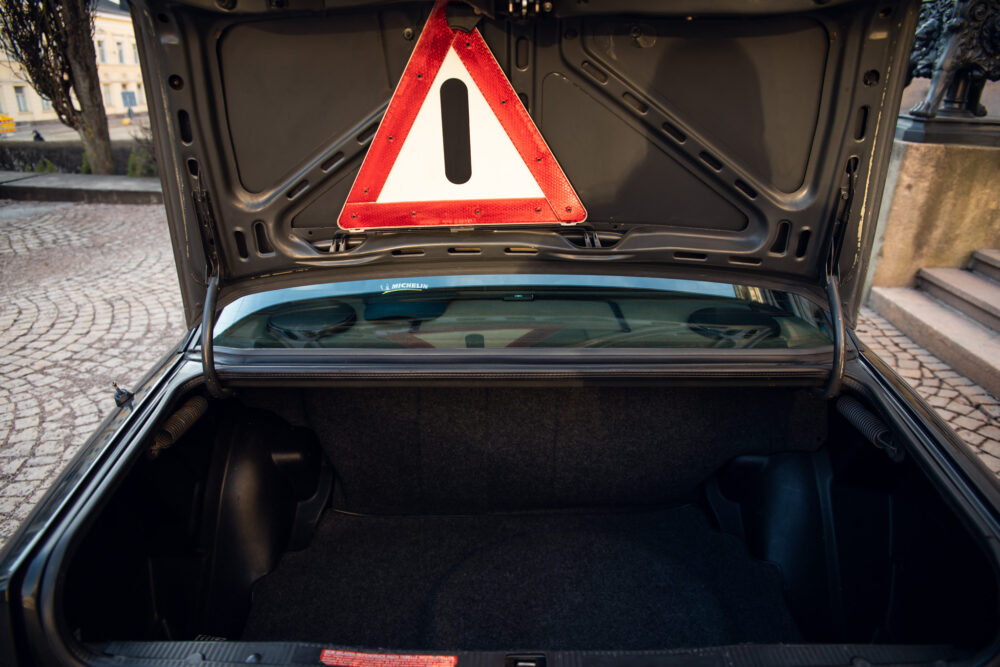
(659,579)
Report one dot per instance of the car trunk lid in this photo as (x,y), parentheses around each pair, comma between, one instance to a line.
(723,141)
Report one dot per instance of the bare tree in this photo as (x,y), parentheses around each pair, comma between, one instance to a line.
(53,42)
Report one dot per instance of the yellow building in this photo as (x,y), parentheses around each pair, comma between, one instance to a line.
(117,65)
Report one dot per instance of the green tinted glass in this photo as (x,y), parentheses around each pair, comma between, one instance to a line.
(418,315)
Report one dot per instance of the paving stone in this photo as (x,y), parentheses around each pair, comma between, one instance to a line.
(42,460)
(11,466)
(988,446)
(980,400)
(938,401)
(17,489)
(8,505)
(995,444)
(960,407)
(992,462)
(963,421)
(35,473)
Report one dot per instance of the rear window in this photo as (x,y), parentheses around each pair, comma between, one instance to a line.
(527,311)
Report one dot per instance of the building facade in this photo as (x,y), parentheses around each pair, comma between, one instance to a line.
(117,66)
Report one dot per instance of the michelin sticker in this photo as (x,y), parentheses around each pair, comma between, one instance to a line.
(403,287)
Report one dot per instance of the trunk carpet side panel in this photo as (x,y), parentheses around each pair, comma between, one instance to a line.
(626,581)
(473,449)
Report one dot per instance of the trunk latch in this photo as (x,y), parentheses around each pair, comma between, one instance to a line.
(524,660)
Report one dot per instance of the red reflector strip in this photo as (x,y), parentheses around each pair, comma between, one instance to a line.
(336,658)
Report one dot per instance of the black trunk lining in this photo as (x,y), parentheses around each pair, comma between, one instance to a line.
(637,580)
(448,450)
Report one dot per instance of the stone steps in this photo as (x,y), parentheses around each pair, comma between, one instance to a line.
(953,313)
(964,344)
(973,294)
(986,263)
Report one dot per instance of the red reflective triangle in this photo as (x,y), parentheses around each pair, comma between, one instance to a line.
(557,203)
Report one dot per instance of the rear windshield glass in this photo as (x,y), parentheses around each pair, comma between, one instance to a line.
(519,311)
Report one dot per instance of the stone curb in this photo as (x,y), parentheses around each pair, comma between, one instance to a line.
(80,188)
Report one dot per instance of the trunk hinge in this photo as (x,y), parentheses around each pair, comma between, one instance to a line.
(523,9)
(206,222)
(835,242)
(591,239)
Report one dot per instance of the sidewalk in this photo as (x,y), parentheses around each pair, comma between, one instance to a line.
(53,130)
(79,187)
(81,305)
(968,408)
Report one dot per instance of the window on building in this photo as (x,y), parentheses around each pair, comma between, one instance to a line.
(128,97)
(46,104)
(22,99)
(120,49)
(102,54)
(106,89)
(139,93)
(135,54)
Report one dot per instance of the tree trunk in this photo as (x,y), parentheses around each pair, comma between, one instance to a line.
(97,148)
(93,122)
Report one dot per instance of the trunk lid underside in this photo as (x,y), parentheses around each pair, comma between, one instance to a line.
(714,140)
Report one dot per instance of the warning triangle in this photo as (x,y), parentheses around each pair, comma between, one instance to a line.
(457,147)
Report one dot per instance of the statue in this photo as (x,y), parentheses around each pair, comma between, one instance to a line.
(957,46)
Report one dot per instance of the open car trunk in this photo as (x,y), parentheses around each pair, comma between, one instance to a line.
(520,518)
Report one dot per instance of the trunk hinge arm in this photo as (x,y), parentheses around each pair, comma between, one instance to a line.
(832,387)
(215,388)
(832,283)
(206,222)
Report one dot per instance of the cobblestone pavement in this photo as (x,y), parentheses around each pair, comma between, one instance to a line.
(89,295)
(966,406)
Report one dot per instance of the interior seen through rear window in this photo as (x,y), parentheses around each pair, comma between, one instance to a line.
(518,311)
